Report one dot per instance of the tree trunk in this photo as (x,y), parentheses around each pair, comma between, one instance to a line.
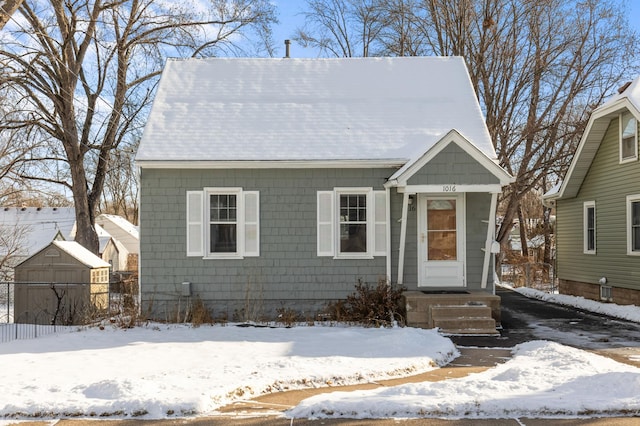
(7,9)
(523,233)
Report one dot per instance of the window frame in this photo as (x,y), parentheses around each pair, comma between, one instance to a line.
(586,206)
(634,156)
(239,223)
(328,223)
(631,199)
(198,223)
(368,222)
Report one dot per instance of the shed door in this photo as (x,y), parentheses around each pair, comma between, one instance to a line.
(441,241)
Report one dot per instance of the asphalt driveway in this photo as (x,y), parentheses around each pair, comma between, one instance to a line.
(525,319)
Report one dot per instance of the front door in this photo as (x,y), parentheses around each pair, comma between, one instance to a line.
(441,241)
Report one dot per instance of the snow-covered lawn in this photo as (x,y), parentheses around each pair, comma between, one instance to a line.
(169,370)
(163,370)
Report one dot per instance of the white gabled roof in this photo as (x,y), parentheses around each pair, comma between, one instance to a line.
(414,164)
(288,110)
(81,254)
(627,99)
(38,225)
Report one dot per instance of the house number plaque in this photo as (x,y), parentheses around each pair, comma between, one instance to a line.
(448,188)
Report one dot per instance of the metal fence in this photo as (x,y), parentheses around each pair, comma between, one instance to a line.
(29,310)
(536,275)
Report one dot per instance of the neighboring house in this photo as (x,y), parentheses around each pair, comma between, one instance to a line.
(598,206)
(62,283)
(25,230)
(279,183)
(126,238)
(108,248)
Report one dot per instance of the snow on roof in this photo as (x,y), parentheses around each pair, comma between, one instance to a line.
(81,254)
(627,98)
(40,224)
(630,91)
(122,223)
(237,109)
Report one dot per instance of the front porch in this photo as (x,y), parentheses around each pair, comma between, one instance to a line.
(453,312)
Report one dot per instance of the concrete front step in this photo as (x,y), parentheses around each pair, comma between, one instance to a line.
(463,319)
(466,325)
(470,331)
(460,311)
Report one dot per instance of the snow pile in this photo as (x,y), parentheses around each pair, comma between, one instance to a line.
(542,379)
(163,370)
(626,312)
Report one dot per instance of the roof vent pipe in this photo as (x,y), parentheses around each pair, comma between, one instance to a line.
(287,43)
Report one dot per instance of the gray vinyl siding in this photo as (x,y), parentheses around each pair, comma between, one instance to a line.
(453,166)
(288,273)
(477,217)
(476,214)
(607,183)
(288,269)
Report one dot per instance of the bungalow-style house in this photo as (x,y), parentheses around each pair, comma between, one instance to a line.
(279,183)
(598,206)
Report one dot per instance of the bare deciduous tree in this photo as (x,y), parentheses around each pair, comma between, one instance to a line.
(84,73)
(342,28)
(538,67)
(8,8)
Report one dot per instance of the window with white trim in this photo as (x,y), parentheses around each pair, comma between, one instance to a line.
(352,223)
(223,223)
(589,226)
(633,225)
(628,137)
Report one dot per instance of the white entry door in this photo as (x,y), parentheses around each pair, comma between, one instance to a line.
(441,241)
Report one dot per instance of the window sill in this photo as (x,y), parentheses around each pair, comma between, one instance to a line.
(353,257)
(628,160)
(223,257)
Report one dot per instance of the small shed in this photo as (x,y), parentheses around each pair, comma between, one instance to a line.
(63,283)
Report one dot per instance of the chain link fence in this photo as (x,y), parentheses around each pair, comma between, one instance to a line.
(29,310)
(536,275)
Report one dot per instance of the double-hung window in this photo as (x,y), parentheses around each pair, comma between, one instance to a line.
(628,137)
(633,225)
(589,226)
(223,223)
(352,223)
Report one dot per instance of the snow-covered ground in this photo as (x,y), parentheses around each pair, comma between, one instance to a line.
(168,370)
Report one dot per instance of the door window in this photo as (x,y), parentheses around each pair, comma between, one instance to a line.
(441,230)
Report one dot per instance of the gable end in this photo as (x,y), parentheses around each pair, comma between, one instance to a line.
(453,165)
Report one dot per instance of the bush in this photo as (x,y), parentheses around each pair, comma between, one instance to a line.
(371,306)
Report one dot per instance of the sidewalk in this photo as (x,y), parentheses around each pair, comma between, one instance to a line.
(471,360)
